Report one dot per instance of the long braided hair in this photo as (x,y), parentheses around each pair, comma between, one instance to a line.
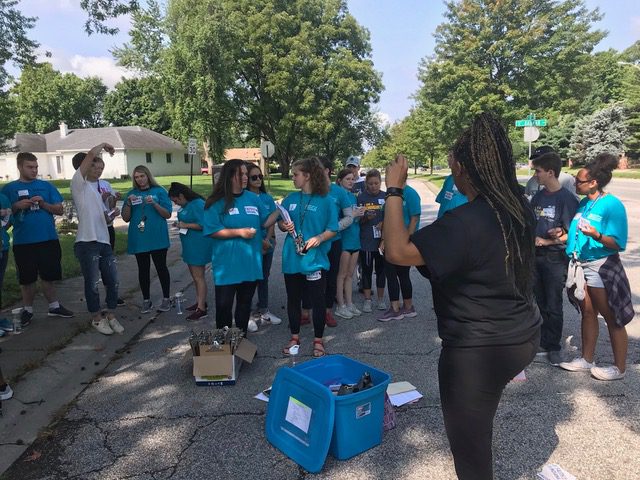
(485,152)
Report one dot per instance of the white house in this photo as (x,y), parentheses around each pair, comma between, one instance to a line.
(133,146)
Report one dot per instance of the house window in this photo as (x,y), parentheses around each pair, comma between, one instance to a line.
(168,158)
(186,158)
(59,164)
(148,157)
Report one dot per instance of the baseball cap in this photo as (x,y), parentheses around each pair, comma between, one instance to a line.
(353,160)
(541,151)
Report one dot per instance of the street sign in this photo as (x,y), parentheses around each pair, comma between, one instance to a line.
(267,149)
(193,146)
(531,123)
(531,134)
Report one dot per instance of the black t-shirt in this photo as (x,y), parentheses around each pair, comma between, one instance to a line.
(553,209)
(370,238)
(475,301)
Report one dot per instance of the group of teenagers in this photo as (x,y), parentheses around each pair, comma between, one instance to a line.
(496,260)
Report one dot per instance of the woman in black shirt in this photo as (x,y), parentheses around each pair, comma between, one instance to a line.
(479,258)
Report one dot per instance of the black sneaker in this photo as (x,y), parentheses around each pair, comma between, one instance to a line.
(555,357)
(121,302)
(25,318)
(60,312)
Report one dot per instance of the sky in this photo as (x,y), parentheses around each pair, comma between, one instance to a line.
(401,36)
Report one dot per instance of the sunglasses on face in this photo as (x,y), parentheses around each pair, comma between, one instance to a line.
(256,177)
(580,182)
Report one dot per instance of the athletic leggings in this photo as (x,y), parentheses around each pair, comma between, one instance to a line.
(471,382)
(242,293)
(398,279)
(314,290)
(367,261)
(159,258)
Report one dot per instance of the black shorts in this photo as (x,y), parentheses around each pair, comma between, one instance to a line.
(33,259)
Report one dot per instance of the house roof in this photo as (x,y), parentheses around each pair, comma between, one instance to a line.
(133,138)
(246,154)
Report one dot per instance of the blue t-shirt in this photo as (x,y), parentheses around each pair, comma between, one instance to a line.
(156,232)
(312,215)
(5,204)
(236,260)
(340,201)
(449,197)
(411,206)
(270,204)
(609,217)
(33,226)
(369,233)
(196,247)
(552,210)
(351,234)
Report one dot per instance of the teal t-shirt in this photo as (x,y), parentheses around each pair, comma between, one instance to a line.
(449,197)
(5,204)
(312,215)
(609,217)
(33,226)
(236,260)
(196,247)
(351,234)
(340,201)
(411,206)
(156,232)
(270,205)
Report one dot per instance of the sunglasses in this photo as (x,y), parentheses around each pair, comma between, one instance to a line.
(580,182)
(256,177)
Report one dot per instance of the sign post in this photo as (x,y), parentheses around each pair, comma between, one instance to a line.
(531,133)
(267,149)
(192,150)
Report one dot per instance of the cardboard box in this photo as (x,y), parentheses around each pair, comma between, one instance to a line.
(222,367)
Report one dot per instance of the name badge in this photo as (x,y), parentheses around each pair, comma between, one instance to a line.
(23,193)
(251,210)
(292,207)
(183,231)
(234,211)
(136,201)
(381,201)
(448,195)
(377,233)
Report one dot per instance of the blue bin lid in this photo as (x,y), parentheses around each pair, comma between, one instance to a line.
(300,417)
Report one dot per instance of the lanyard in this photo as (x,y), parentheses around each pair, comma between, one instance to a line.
(578,231)
(303,211)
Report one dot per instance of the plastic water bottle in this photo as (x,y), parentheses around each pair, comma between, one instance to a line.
(179,303)
(17,323)
(293,355)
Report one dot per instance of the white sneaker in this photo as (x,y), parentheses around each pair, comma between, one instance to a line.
(607,373)
(252,326)
(102,326)
(366,306)
(115,325)
(382,305)
(344,312)
(6,393)
(269,317)
(354,310)
(577,365)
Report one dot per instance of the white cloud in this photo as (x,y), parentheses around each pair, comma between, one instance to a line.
(103,67)
(383,119)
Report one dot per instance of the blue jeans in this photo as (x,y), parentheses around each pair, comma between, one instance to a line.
(97,259)
(550,277)
(263,285)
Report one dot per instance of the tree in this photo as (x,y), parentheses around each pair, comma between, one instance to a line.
(99,11)
(43,97)
(16,48)
(604,131)
(509,57)
(137,101)
(630,74)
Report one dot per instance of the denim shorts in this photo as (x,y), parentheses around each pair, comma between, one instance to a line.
(591,275)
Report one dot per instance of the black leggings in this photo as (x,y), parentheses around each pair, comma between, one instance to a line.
(398,279)
(471,383)
(367,261)
(159,258)
(296,284)
(242,293)
(332,275)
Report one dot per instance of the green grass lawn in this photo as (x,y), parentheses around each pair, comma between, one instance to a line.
(70,266)
(201,183)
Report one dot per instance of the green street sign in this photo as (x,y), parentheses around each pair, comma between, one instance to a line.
(531,123)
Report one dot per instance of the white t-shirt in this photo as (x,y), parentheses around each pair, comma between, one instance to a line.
(92,224)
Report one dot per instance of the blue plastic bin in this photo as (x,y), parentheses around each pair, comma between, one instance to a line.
(358,416)
(305,420)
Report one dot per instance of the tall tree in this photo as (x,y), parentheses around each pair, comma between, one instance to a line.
(509,57)
(604,131)
(99,11)
(137,101)
(43,97)
(629,72)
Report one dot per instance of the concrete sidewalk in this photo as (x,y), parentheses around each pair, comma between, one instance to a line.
(139,415)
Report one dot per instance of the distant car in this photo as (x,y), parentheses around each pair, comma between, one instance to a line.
(204,171)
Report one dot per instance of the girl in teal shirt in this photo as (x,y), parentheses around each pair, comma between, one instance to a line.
(147,208)
(233,217)
(314,221)
(350,249)
(196,247)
